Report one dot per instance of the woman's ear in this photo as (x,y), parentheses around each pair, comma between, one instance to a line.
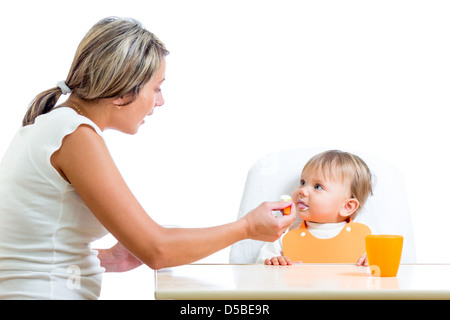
(118,102)
(350,206)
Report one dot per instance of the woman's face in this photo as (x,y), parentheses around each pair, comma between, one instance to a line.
(130,117)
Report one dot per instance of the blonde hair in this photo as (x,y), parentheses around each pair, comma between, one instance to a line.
(335,164)
(115,59)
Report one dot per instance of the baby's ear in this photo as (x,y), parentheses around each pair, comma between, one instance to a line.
(350,206)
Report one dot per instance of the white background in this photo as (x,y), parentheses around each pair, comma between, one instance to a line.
(245,78)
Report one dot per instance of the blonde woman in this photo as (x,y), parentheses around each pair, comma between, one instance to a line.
(60,189)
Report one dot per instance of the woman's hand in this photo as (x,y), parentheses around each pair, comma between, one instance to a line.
(117,259)
(263,225)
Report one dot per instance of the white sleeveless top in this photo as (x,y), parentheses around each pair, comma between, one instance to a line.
(45,227)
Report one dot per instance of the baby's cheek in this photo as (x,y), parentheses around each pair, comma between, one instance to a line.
(295,196)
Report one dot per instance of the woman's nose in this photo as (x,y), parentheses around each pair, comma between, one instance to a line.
(159,100)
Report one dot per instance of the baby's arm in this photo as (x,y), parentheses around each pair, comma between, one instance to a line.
(278,261)
(270,249)
(272,254)
(362,261)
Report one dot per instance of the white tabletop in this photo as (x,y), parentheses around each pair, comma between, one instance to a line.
(301,281)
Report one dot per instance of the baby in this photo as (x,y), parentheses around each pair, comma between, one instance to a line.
(334,185)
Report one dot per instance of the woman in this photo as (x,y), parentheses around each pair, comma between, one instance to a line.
(60,189)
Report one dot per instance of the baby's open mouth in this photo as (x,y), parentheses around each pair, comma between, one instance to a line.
(301,205)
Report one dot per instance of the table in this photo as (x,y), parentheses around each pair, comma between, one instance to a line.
(300,281)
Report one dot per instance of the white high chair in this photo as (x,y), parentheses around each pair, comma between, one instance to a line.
(278,173)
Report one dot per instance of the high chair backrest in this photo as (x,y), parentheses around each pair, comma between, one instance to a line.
(278,173)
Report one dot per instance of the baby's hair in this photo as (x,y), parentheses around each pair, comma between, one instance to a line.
(335,164)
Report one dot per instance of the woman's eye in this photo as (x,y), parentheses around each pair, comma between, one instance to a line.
(318,187)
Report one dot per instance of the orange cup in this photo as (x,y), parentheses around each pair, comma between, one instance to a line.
(384,252)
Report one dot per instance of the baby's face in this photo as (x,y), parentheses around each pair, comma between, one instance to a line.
(319,198)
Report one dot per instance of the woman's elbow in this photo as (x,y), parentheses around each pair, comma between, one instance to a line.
(158,259)
(156,264)
(163,253)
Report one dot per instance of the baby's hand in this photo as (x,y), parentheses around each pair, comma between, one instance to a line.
(362,261)
(278,261)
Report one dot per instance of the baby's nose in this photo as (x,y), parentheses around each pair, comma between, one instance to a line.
(304,192)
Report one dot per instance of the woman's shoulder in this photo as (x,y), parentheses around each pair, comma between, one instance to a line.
(63,121)
(50,130)
(77,141)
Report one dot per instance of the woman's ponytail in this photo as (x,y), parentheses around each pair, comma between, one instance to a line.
(43,103)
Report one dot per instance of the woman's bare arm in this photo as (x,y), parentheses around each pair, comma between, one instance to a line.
(86,162)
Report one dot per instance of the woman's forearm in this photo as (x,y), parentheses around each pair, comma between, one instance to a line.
(186,245)
(167,247)
(177,246)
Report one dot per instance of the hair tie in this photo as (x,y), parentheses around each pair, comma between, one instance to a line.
(64,88)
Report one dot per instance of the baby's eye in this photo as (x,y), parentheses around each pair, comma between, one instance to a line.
(302,182)
(318,187)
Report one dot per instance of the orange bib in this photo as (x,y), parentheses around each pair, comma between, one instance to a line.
(347,247)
